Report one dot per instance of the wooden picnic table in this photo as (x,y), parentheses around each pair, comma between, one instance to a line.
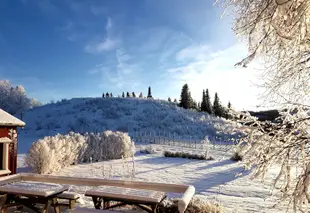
(147,200)
(29,194)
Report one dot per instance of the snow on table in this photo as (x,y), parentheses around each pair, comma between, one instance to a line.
(126,193)
(33,188)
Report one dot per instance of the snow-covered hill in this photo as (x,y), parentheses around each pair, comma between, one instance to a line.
(124,114)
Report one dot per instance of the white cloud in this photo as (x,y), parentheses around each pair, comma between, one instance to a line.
(109,24)
(198,52)
(98,47)
(216,72)
(101,45)
(121,73)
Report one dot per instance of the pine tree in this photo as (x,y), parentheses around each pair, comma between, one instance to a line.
(128,95)
(102,95)
(111,95)
(123,95)
(203,106)
(141,95)
(217,107)
(185,100)
(133,94)
(149,94)
(192,102)
(107,95)
(175,101)
(229,105)
(199,106)
(169,99)
(208,103)
(194,105)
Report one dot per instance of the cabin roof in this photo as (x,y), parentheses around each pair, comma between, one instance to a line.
(7,119)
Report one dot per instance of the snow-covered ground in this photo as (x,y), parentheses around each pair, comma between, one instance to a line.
(130,115)
(213,180)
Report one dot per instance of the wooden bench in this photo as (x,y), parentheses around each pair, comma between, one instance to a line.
(71,197)
(147,200)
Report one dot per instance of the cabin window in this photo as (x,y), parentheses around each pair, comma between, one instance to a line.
(4,155)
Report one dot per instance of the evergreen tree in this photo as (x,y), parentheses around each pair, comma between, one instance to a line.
(128,95)
(175,101)
(149,93)
(141,95)
(192,102)
(229,105)
(107,95)
(111,95)
(203,105)
(169,99)
(194,105)
(199,106)
(102,95)
(133,94)
(217,107)
(185,100)
(123,95)
(208,102)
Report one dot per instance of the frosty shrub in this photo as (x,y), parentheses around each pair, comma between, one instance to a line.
(195,206)
(108,145)
(237,155)
(186,155)
(53,153)
(148,150)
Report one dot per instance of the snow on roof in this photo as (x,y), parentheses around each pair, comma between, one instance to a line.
(5,140)
(9,120)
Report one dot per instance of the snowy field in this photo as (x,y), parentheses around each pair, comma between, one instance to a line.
(214,180)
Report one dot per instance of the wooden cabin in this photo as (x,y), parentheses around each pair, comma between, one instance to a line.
(8,142)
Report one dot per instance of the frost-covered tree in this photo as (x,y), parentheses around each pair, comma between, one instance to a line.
(141,95)
(34,103)
(128,95)
(5,91)
(169,99)
(133,94)
(107,95)
(111,95)
(277,31)
(149,93)
(208,103)
(20,100)
(123,95)
(14,99)
(175,101)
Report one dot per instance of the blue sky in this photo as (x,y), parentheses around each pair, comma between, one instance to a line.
(68,48)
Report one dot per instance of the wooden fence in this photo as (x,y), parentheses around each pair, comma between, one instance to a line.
(163,138)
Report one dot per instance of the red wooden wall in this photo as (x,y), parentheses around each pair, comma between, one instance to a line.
(4,132)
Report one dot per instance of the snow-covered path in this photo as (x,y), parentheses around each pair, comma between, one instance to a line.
(213,180)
